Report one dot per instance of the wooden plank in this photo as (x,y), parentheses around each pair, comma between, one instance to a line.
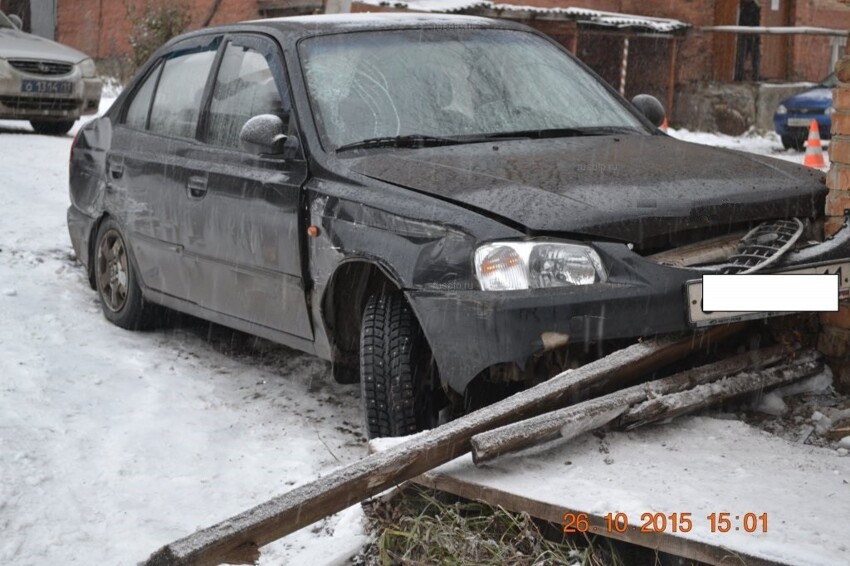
(710,394)
(546,511)
(338,490)
(571,421)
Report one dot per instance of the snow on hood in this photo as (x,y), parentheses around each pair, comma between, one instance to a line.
(15,44)
(817,97)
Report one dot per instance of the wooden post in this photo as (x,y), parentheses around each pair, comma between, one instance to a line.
(375,473)
(624,66)
(671,78)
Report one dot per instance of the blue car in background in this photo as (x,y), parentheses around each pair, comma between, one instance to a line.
(794,115)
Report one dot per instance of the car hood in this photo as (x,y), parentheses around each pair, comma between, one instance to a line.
(15,44)
(626,188)
(817,97)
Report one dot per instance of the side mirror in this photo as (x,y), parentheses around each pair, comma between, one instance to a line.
(16,21)
(651,108)
(263,135)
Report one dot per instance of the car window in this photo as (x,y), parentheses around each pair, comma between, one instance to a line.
(450,82)
(137,111)
(177,103)
(244,88)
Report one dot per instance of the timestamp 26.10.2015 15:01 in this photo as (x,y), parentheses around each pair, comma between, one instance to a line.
(719,522)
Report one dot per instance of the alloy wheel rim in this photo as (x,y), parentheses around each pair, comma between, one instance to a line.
(112,271)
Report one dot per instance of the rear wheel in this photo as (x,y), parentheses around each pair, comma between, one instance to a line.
(50,128)
(791,142)
(116,282)
(398,375)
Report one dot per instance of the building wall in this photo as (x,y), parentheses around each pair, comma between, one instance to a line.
(101,29)
(794,58)
(834,339)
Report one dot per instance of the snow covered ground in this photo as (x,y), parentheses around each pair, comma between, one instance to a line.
(752,142)
(113,443)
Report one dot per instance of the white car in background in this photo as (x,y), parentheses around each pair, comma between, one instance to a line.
(45,82)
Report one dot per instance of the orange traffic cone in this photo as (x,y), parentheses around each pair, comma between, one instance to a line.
(664,125)
(814,151)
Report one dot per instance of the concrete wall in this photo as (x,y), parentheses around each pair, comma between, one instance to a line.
(730,108)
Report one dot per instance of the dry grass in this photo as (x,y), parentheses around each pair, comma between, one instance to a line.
(418,528)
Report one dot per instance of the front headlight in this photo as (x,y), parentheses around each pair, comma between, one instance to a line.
(509,266)
(5,71)
(829,111)
(782,109)
(87,68)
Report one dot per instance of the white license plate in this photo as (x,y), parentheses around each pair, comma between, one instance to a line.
(697,317)
(46,87)
(795,122)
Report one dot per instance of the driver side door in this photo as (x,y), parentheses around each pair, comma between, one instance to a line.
(242,223)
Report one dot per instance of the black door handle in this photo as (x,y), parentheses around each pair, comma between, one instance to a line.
(116,167)
(197,187)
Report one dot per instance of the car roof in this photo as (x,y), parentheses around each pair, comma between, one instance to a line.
(304,26)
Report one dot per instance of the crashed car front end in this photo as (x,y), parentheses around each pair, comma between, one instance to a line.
(639,297)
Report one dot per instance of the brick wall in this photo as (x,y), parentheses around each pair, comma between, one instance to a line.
(835,327)
(100,27)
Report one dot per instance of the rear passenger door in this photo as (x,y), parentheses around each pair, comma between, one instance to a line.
(148,165)
(243,220)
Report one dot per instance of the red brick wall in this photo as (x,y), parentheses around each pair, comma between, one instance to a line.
(100,27)
(835,327)
(811,54)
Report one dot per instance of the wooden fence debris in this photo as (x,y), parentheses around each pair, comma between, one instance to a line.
(239,536)
(665,398)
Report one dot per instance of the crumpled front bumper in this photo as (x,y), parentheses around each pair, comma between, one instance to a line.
(470,331)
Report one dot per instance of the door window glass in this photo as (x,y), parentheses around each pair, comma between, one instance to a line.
(244,88)
(177,103)
(137,111)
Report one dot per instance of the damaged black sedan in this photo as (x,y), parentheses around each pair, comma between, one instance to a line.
(444,207)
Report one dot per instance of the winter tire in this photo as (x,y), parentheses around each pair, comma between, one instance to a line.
(397,373)
(116,282)
(52,128)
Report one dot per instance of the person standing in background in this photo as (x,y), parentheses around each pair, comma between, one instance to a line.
(748,44)
(20,8)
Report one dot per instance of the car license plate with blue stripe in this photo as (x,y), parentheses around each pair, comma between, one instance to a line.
(29,86)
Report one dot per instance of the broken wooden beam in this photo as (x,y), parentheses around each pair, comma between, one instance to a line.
(577,419)
(375,473)
(659,400)
(807,364)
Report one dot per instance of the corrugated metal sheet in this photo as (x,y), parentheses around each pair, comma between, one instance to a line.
(586,16)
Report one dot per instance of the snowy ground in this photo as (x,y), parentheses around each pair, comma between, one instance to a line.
(113,443)
(752,142)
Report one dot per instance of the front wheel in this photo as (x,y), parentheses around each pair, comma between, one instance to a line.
(116,282)
(52,128)
(397,373)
